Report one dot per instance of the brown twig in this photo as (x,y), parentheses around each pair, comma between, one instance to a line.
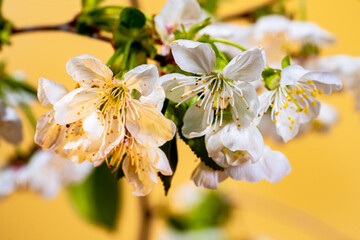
(146,218)
(135,3)
(66,27)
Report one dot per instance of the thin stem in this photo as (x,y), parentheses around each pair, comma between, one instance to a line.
(28,113)
(228,43)
(146,217)
(126,54)
(302,10)
(132,60)
(135,3)
(66,27)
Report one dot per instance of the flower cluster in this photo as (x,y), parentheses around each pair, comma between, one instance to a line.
(218,87)
(108,119)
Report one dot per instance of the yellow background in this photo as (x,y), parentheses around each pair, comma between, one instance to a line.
(320,199)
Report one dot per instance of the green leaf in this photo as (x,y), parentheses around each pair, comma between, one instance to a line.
(170,149)
(210,6)
(5,29)
(88,5)
(271,78)
(132,18)
(97,198)
(285,62)
(212,210)
(105,18)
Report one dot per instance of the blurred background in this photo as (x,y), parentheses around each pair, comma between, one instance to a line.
(318,200)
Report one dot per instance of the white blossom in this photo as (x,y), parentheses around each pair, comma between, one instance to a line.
(293,102)
(174,14)
(102,120)
(45,174)
(216,91)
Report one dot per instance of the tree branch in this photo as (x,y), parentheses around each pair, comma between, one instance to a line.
(146,218)
(66,27)
(135,3)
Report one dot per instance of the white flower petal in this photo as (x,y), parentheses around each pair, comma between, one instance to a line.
(285,129)
(248,171)
(324,81)
(88,70)
(7,181)
(114,134)
(194,57)
(309,32)
(195,122)
(142,78)
(246,107)
(141,180)
(206,177)
(148,126)
(272,166)
(77,104)
(246,66)
(94,124)
(50,92)
(292,74)
(174,87)
(275,165)
(272,24)
(244,139)
(47,134)
(173,14)
(161,163)
(156,97)
(214,146)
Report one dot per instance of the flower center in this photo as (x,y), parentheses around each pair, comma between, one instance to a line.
(213,94)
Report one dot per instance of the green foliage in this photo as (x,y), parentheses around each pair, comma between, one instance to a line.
(285,62)
(191,33)
(98,19)
(13,84)
(210,6)
(212,210)
(132,18)
(5,29)
(97,198)
(197,145)
(88,5)
(271,78)
(132,40)
(170,149)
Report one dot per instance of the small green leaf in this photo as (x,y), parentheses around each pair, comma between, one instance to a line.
(97,198)
(285,62)
(88,5)
(132,18)
(271,78)
(5,29)
(210,6)
(211,210)
(170,149)
(194,29)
